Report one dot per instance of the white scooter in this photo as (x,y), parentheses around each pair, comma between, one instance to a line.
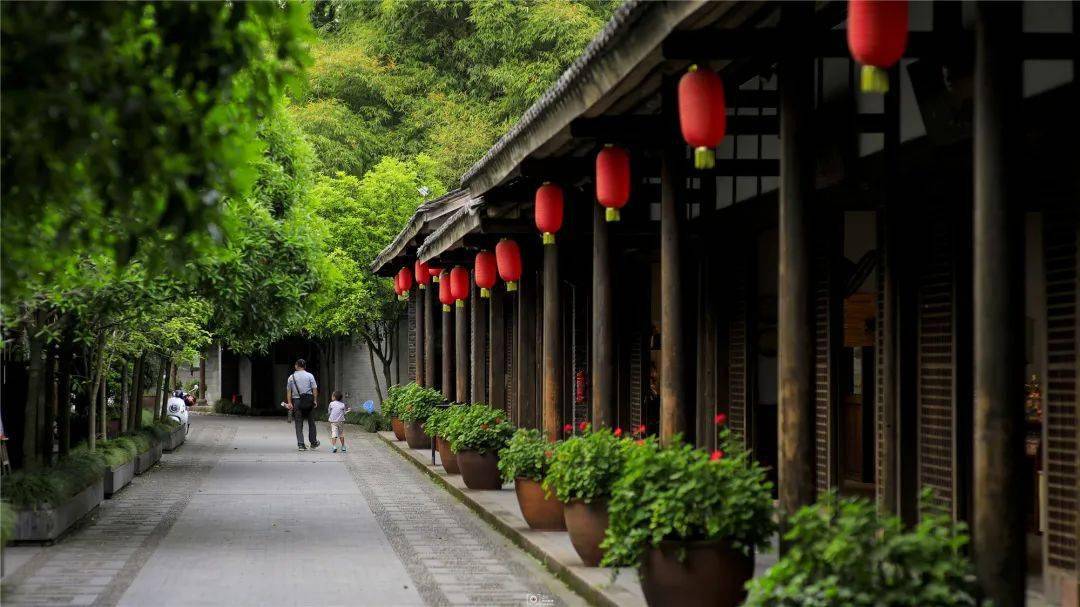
(176,409)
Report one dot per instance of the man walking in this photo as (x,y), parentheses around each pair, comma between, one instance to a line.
(301,392)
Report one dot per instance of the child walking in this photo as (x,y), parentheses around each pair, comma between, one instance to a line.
(338,410)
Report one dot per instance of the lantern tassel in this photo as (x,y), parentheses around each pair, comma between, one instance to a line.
(548,238)
(511,286)
(873,79)
(445,308)
(704,158)
(485,293)
(423,286)
(612,214)
(461,303)
(405,296)
(435,278)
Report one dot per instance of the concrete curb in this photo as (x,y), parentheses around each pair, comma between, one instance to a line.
(583,587)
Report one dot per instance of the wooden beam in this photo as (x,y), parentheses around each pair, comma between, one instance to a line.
(448,349)
(525,347)
(461,353)
(479,326)
(795,320)
(648,129)
(672,376)
(603,325)
(726,44)
(552,346)
(1001,489)
(429,336)
(497,349)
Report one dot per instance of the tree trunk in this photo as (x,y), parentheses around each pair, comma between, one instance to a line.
(324,371)
(124,402)
(104,402)
(136,394)
(374,375)
(31,430)
(63,403)
(47,433)
(201,398)
(159,413)
(91,439)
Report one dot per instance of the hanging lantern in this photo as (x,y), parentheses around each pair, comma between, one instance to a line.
(612,180)
(435,273)
(405,278)
(702,113)
(459,285)
(508,260)
(423,277)
(446,298)
(877,36)
(484,272)
(549,210)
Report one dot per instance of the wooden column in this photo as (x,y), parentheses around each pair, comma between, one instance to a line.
(795,320)
(1000,490)
(603,320)
(525,346)
(419,302)
(479,326)
(552,346)
(429,336)
(448,350)
(461,354)
(497,350)
(672,376)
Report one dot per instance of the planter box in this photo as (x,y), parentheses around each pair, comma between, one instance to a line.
(144,461)
(117,478)
(176,438)
(47,524)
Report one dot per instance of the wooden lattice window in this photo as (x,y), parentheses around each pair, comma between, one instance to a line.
(737,358)
(412,338)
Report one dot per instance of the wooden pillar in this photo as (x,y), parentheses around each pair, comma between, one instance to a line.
(497,351)
(479,326)
(552,346)
(525,349)
(672,376)
(430,374)
(795,326)
(448,350)
(603,321)
(461,353)
(1000,493)
(419,301)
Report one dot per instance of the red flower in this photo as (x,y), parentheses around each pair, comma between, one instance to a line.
(483,426)
(548,454)
(720,419)
(618,432)
(640,429)
(568,428)
(640,441)
(716,455)
(583,426)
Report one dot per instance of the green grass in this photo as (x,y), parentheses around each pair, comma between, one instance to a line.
(51,486)
(118,451)
(7,522)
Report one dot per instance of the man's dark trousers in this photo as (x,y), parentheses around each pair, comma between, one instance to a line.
(305,409)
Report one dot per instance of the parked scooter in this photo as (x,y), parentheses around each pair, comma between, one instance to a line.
(177,409)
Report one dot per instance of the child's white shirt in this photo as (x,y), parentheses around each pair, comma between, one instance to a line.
(337,411)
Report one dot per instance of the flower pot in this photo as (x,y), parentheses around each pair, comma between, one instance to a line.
(712,573)
(415,436)
(587,523)
(399,428)
(480,470)
(449,460)
(540,511)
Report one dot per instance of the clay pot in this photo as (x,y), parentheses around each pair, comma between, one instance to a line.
(447,457)
(480,470)
(587,523)
(416,437)
(712,573)
(398,427)
(540,511)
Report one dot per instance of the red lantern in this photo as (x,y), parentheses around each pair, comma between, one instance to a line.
(405,279)
(877,36)
(459,285)
(423,277)
(702,113)
(612,180)
(508,260)
(435,272)
(549,210)
(446,298)
(484,272)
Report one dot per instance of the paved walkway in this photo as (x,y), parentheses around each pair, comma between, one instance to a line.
(237,516)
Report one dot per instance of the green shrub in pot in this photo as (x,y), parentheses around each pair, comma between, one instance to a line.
(438,422)
(843,552)
(585,467)
(389,407)
(527,455)
(416,403)
(479,428)
(677,492)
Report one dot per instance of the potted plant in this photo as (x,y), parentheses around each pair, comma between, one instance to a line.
(119,454)
(690,520)
(415,406)
(524,461)
(582,472)
(47,501)
(436,426)
(390,410)
(844,552)
(476,435)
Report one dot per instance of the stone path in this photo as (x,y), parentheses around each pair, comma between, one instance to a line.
(237,516)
